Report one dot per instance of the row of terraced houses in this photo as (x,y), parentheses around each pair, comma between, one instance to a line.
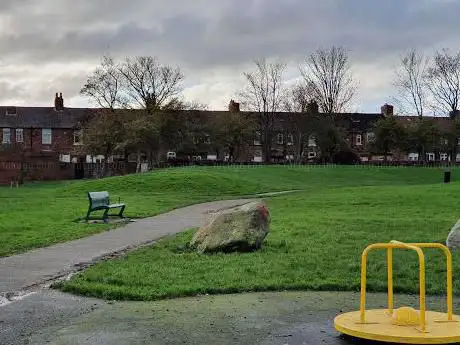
(49,137)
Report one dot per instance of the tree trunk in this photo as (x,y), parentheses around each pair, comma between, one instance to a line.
(299,147)
(138,161)
(22,171)
(231,154)
(267,150)
(105,164)
(125,161)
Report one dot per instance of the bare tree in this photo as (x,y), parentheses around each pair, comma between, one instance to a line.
(104,86)
(410,81)
(298,105)
(232,133)
(149,84)
(298,97)
(139,82)
(263,94)
(103,132)
(443,80)
(329,75)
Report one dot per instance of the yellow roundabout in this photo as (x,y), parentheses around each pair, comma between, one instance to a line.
(404,325)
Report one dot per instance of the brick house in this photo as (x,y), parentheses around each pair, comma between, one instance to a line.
(40,129)
(45,142)
(359,127)
(39,139)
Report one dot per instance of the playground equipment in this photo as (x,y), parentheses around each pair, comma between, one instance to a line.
(403,325)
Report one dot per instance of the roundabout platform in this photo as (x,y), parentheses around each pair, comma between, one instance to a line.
(404,325)
(379,327)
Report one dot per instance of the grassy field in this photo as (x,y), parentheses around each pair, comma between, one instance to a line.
(316,238)
(42,214)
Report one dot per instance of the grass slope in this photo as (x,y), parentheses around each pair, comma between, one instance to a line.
(315,242)
(42,214)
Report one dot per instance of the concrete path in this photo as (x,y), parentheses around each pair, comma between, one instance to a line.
(30,270)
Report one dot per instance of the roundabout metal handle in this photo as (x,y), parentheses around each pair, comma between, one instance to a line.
(389,246)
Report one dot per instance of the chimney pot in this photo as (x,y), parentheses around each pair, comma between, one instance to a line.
(233,106)
(387,110)
(58,102)
(454,114)
(313,107)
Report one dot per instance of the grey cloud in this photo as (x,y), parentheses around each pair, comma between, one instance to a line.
(200,35)
(10,90)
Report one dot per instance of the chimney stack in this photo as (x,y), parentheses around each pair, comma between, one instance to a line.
(454,114)
(313,107)
(58,102)
(233,107)
(387,110)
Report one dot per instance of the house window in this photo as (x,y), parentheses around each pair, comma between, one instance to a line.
(280,139)
(207,140)
(6,136)
(444,156)
(370,137)
(430,156)
(257,158)
(19,135)
(290,139)
(445,141)
(413,156)
(46,136)
(311,154)
(312,141)
(171,155)
(11,111)
(257,138)
(359,140)
(78,137)
(64,158)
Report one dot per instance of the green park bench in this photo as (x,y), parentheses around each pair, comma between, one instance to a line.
(100,201)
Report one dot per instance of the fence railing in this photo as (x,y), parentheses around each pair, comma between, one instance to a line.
(14,171)
(145,166)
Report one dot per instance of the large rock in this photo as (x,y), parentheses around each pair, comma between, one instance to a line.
(241,229)
(453,240)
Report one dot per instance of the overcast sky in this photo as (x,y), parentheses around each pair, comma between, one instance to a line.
(50,46)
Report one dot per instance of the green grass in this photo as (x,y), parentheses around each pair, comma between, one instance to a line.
(315,242)
(42,214)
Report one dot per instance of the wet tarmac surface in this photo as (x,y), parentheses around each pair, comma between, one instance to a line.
(294,318)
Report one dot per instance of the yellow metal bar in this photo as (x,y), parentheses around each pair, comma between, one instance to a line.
(362,307)
(421,258)
(390,279)
(400,245)
(364,275)
(448,256)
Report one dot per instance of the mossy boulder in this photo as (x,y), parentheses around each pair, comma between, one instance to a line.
(453,239)
(240,229)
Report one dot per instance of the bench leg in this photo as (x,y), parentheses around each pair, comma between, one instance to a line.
(87,214)
(105,217)
(121,211)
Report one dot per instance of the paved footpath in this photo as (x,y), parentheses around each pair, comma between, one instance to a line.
(32,269)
